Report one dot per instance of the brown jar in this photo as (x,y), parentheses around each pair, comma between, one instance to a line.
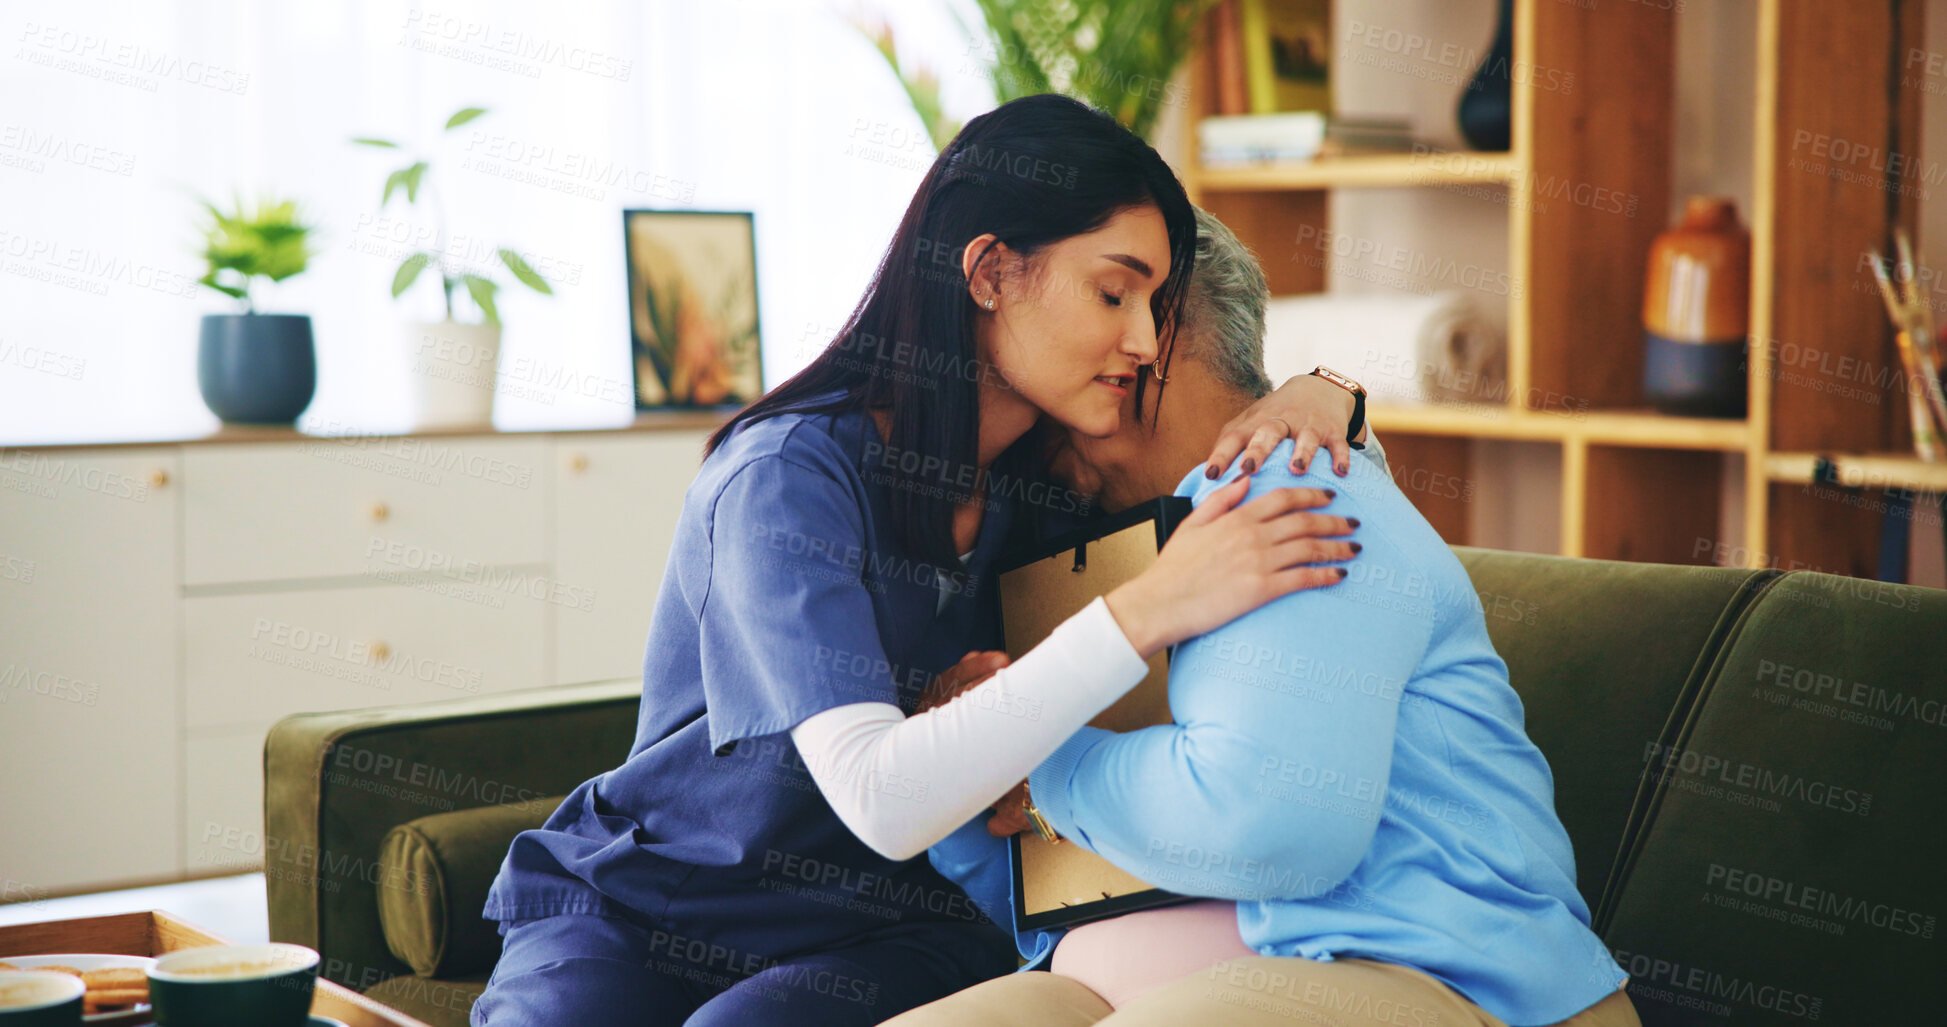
(1696,312)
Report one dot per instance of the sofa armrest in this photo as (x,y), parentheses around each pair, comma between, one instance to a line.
(438,871)
(335,783)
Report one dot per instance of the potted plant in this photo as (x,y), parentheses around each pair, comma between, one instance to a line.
(454,362)
(255,368)
(1116,55)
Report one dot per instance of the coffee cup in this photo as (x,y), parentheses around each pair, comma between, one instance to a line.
(224,985)
(40,998)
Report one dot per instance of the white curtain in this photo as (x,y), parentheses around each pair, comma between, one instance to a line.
(115,117)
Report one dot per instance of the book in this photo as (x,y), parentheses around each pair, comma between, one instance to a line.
(1261,137)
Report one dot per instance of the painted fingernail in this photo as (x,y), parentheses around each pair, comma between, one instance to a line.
(1331,493)
(1211,471)
(1250,464)
(1342,571)
(1358,547)
(1353,521)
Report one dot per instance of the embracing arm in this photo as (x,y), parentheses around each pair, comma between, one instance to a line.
(1309,410)
(1271,781)
(902,783)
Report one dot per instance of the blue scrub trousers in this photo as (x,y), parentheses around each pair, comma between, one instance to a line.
(624,973)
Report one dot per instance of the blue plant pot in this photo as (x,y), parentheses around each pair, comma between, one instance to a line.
(257,368)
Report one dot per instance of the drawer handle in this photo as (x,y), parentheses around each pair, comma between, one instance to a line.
(578,463)
(380,652)
(158,478)
(380,512)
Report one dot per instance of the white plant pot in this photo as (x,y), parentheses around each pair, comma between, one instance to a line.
(453,368)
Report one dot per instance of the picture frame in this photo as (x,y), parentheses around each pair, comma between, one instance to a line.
(1288,57)
(694,335)
(1056,884)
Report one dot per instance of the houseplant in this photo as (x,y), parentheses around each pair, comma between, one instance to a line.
(1116,55)
(255,368)
(454,362)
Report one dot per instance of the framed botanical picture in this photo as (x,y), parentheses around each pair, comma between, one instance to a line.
(693,307)
(1287,54)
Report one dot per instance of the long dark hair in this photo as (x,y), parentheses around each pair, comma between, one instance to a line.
(1032,172)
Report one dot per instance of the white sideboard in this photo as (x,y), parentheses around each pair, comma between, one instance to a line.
(161,605)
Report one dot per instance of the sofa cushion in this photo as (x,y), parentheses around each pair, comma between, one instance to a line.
(1789,869)
(1599,652)
(440,1003)
(438,870)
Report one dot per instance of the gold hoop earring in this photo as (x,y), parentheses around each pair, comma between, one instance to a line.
(1156,371)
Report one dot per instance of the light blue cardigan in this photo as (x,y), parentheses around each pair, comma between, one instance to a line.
(1348,764)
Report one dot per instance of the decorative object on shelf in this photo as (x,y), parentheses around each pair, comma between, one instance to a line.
(1486,109)
(1696,312)
(1907,306)
(455,364)
(1288,54)
(693,307)
(1118,55)
(1406,349)
(255,368)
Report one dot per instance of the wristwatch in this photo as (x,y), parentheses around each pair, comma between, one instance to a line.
(1358,399)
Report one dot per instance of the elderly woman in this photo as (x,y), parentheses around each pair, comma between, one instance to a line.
(1347,784)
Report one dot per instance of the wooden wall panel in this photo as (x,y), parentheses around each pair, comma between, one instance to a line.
(1602,94)
(1838,195)
(1284,229)
(1655,505)
(1436,473)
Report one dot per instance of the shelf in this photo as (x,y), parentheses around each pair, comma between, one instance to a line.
(669,419)
(1868,470)
(1366,171)
(1637,428)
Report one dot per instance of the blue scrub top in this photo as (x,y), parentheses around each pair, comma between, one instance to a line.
(786,594)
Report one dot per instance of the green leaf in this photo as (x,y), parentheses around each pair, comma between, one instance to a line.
(228,290)
(393,181)
(526,274)
(413,175)
(462,116)
(367,141)
(409,271)
(482,290)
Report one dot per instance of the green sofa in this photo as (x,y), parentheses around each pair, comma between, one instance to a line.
(1748,761)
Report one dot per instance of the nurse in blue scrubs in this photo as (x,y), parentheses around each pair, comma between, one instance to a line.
(835,553)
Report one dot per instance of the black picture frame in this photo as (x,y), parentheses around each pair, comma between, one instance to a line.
(1166,512)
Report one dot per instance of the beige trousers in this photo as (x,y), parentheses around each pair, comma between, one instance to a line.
(1259,991)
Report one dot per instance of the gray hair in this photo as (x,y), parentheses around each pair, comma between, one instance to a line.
(1222,322)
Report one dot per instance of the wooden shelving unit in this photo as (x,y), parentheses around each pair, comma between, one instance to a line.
(1604,427)
(1860,471)
(1637,484)
(1367,172)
